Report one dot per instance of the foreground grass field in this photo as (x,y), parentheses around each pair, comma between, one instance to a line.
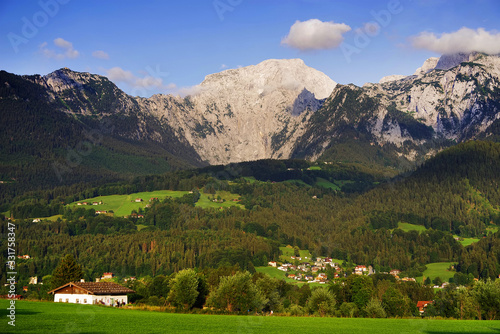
(44,317)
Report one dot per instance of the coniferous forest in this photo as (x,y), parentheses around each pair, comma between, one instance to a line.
(452,196)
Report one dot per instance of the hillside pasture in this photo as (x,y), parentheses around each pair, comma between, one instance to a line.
(230,199)
(438,269)
(122,205)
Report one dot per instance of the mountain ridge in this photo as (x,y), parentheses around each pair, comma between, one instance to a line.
(275,110)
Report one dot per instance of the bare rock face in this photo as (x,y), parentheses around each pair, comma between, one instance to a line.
(249,113)
(393,77)
(458,99)
(428,66)
(283,108)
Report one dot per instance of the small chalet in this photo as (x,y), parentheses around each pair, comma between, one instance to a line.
(272,263)
(105,293)
(107,275)
(422,304)
(395,272)
(138,200)
(359,270)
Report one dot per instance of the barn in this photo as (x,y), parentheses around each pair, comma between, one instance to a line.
(106,293)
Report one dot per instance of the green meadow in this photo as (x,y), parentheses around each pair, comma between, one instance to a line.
(122,205)
(438,269)
(466,241)
(288,252)
(326,184)
(411,227)
(207,200)
(47,317)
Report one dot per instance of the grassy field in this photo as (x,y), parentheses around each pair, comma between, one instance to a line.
(438,269)
(43,317)
(287,254)
(466,241)
(492,229)
(326,184)
(122,205)
(411,227)
(274,272)
(206,200)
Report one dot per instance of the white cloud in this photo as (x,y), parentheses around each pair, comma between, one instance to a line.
(138,84)
(223,66)
(67,48)
(463,40)
(315,35)
(100,54)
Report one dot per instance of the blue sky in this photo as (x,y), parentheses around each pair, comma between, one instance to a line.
(149,47)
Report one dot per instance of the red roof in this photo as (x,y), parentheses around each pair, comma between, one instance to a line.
(423,303)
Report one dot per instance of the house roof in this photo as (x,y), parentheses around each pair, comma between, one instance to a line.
(422,303)
(97,288)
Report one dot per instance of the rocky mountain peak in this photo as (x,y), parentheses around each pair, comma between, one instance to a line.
(428,65)
(271,75)
(451,60)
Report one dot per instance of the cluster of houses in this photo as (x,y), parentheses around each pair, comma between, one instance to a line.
(314,271)
(88,203)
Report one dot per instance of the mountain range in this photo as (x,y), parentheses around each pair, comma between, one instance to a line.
(70,124)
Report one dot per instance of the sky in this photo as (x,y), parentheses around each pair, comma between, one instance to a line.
(150,47)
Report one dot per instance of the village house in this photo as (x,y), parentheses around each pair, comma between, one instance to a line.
(138,200)
(395,272)
(106,293)
(422,304)
(99,212)
(37,220)
(359,270)
(33,280)
(272,264)
(107,276)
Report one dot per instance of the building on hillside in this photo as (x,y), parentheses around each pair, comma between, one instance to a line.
(106,293)
(138,200)
(33,280)
(359,270)
(272,263)
(107,276)
(395,272)
(422,304)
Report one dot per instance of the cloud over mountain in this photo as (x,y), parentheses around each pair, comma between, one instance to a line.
(463,40)
(315,35)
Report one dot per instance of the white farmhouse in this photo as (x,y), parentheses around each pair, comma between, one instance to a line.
(106,293)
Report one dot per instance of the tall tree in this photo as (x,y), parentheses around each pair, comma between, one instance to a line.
(184,289)
(67,271)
